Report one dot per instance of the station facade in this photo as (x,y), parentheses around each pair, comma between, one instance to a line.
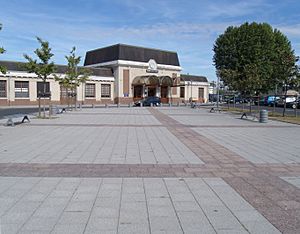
(119,74)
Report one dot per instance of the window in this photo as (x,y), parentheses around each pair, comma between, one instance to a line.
(21,89)
(90,90)
(2,88)
(201,93)
(182,92)
(63,92)
(40,89)
(105,90)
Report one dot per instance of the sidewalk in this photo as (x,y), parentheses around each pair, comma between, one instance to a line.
(149,170)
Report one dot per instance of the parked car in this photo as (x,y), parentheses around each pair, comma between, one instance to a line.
(270,100)
(155,101)
(290,101)
(235,99)
(261,101)
(297,103)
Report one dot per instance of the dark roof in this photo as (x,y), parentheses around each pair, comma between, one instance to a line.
(19,66)
(185,77)
(130,53)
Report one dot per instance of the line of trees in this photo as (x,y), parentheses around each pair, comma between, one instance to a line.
(43,67)
(254,59)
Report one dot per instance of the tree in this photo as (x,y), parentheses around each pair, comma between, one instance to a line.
(285,68)
(74,76)
(252,58)
(2,50)
(43,69)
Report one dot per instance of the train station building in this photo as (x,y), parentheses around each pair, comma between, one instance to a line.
(119,74)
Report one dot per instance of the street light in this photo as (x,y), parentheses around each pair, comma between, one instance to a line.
(218,92)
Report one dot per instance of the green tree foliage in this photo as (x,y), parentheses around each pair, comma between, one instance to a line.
(252,58)
(42,68)
(74,76)
(2,50)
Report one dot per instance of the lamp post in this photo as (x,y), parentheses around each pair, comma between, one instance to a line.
(218,92)
(191,91)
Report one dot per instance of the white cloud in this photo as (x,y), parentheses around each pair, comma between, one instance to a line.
(235,9)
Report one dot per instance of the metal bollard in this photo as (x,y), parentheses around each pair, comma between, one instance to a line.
(118,105)
(93,106)
(106,105)
(151,104)
(141,104)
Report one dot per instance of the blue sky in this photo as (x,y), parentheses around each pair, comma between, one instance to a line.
(189,27)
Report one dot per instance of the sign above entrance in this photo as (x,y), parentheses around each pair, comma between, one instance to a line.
(152,66)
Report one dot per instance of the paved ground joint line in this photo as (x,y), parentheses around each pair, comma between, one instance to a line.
(174,209)
(188,187)
(120,203)
(87,222)
(69,200)
(147,207)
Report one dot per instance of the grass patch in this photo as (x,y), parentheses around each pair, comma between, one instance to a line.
(272,116)
(234,110)
(46,117)
(288,119)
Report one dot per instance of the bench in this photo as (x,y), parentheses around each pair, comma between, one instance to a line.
(254,116)
(215,109)
(56,110)
(195,105)
(16,119)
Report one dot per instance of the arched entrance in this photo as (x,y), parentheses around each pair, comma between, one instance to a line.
(147,86)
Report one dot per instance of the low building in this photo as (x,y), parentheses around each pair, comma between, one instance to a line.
(18,87)
(119,74)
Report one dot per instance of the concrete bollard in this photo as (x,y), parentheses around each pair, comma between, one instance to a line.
(151,104)
(263,116)
(141,104)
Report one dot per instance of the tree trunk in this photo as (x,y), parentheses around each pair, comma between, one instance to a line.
(75,98)
(68,98)
(44,102)
(284,107)
(40,106)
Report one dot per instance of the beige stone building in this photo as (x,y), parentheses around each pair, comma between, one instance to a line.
(119,74)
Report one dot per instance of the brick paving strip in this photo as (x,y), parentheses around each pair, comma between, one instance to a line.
(94,125)
(143,170)
(273,197)
(154,125)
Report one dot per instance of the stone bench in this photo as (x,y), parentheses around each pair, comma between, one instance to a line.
(16,119)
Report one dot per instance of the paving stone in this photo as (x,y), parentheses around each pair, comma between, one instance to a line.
(168,162)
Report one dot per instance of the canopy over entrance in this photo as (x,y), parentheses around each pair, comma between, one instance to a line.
(152,80)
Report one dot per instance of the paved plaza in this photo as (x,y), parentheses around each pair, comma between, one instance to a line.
(149,170)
